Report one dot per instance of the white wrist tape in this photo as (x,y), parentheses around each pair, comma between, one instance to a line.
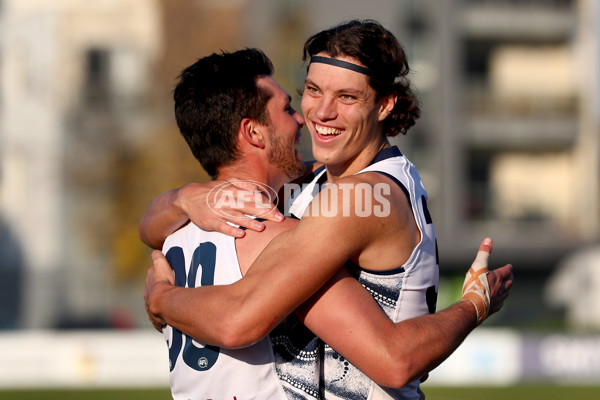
(476,288)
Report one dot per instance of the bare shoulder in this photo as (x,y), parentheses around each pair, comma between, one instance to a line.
(371,212)
(369,194)
(251,245)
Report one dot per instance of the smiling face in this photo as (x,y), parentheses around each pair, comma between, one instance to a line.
(283,130)
(344,117)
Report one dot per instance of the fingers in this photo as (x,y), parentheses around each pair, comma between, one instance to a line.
(157,322)
(492,287)
(272,214)
(483,255)
(505,272)
(261,205)
(221,225)
(238,202)
(157,255)
(229,230)
(486,245)
(476,287)
(500,281)
(258,206)
(502,278)
(159,260)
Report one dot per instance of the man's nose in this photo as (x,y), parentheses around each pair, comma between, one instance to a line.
(300,120)
(326,109)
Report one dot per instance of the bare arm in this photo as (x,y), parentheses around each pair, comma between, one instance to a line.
(285,275)
(290,269)
(172,209)
(163,217)
(347,318)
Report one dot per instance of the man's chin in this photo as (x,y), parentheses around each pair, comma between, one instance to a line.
(298,172)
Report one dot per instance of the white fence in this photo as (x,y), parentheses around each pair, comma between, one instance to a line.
(45,359)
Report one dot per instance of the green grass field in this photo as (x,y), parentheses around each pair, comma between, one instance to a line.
(525,392)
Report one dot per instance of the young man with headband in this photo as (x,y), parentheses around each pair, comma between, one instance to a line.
(356,94)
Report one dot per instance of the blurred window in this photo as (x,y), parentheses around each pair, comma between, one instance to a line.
(97,69)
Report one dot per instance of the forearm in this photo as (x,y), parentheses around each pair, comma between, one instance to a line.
(163,217)
(347,318)
(209,314)
(239,314)
(428,340)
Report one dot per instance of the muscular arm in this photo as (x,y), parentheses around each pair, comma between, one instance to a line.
(172,209)
(284,276)
(347,318)
(241,313)
(290,269)
(163,217)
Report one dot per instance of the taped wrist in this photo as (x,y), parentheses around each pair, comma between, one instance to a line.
(476,288)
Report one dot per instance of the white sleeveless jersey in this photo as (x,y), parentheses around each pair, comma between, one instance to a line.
(312,370)
(202,372)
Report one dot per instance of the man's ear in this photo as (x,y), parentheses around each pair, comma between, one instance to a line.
(252,132)
(387,105)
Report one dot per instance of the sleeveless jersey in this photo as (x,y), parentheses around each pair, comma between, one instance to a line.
(202,372)
(308,368)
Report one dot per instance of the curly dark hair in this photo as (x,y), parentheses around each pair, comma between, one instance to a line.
(212,97)
(378,49)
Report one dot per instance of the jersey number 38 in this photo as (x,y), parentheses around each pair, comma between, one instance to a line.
(195,355)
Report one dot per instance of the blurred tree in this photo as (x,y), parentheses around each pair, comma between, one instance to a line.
(120,156)
(163,161)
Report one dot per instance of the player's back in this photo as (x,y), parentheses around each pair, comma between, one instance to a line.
(199,371)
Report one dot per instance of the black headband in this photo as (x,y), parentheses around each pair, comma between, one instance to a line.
(342,64)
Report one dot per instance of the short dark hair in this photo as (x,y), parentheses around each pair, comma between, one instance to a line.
(377,49)
(212,97)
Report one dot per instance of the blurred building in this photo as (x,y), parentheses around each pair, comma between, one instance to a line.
(88,138)
(72,77)
(508,138)
(516,138)
(508,143)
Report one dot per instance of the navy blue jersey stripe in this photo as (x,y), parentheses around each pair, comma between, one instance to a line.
(386,153)
(352,266)
(426,210)
(393,178)
(309,178)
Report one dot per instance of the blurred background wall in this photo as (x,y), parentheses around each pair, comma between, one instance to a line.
(508,143)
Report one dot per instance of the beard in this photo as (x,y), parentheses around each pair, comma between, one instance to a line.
(284,159)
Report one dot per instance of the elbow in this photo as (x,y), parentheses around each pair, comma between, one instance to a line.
(233,338)
(240,320)
(142,230)
(145,237)
(395,372)
(237,333)
(394,379)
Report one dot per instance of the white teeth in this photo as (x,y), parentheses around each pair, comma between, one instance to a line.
(322,130)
